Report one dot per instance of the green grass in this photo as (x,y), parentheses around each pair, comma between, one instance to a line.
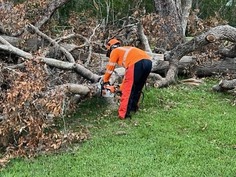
(180,131)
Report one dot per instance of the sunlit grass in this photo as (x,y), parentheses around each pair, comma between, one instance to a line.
(179,131)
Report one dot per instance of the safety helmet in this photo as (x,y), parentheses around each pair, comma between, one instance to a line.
(112,42)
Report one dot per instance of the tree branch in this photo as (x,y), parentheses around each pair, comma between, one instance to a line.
(90,45)
(224,32)
(70,58)
(84,72)
(143,38)
(10,48)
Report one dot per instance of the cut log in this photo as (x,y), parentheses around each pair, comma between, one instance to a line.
(75,89)
(161,67)
(225,85)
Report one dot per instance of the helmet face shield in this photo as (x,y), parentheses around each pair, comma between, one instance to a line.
(111,43)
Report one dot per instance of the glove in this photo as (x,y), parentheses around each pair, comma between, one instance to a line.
(105,84)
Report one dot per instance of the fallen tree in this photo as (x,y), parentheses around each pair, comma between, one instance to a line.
(225,32)
(57,73)
(175,60)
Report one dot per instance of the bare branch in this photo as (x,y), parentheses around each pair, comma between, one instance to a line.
(90,45)
(65,52)
(10,48)
(81,70)
(143,38)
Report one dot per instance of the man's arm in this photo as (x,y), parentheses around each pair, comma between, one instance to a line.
(110,67)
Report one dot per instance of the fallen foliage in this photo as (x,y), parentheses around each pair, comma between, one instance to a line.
(29,112)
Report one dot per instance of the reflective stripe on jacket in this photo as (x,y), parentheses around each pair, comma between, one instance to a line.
(123,56)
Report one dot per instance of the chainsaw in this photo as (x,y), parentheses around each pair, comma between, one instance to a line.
(109,91)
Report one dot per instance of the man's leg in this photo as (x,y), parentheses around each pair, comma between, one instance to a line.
(127,86)
(141,71)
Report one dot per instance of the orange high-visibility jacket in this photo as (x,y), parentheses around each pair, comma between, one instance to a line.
(123,56)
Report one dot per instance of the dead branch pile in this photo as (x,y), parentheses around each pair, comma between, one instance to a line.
(30,108)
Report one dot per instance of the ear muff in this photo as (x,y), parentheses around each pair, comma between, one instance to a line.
(111,48)
(111,43)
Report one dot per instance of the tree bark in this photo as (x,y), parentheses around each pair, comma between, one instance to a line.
(188,66)
(225,85)
(225,32)
(229,52)
(225,67)
(170,11)
(186,6)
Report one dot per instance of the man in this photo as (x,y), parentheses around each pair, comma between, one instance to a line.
(138,66)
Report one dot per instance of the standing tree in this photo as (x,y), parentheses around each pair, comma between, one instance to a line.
(174,15)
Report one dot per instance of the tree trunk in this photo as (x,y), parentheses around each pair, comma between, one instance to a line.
(225,32)
(225,67)
(186,7)
(188,67)
(52,7)
(170,12)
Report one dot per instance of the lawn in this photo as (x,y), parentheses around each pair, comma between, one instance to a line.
(180,131)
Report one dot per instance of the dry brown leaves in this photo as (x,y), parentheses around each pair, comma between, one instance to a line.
(14,17)
(30,109)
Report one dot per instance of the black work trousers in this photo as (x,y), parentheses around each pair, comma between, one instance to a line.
(141,71)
